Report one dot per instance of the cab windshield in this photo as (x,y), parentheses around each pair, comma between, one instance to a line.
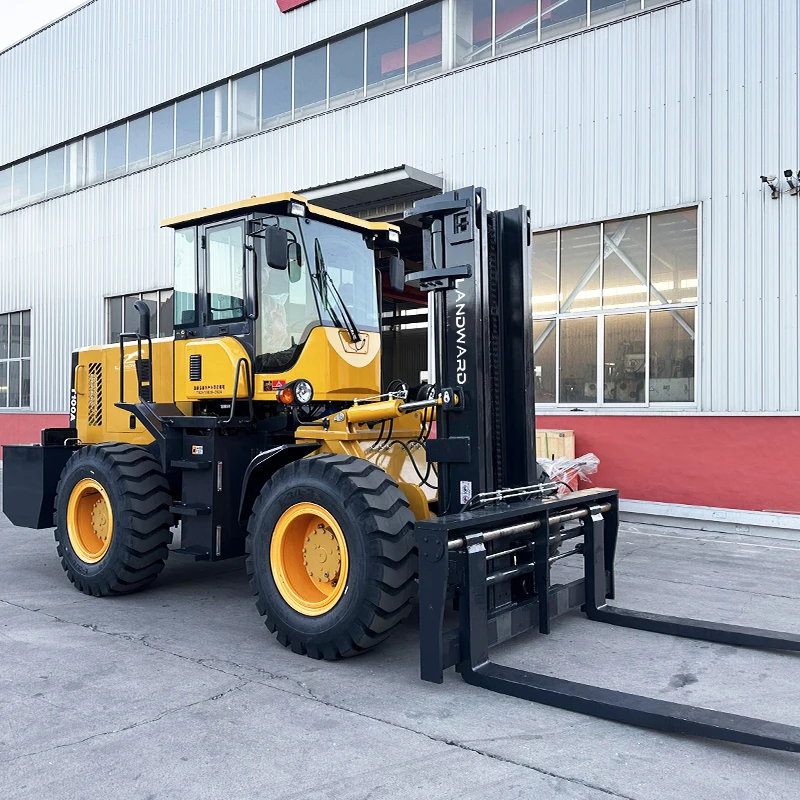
(330,281)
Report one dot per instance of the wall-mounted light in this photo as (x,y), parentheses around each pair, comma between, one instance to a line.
(770,181)
(794,184)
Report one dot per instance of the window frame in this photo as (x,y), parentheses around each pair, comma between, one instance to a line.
(646,308)
(241,324)
(20,359)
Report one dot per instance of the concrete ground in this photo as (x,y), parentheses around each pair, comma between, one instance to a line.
(180,691)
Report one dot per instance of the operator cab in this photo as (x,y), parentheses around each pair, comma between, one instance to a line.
(271,272)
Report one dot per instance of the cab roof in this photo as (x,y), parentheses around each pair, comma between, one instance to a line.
(276,204)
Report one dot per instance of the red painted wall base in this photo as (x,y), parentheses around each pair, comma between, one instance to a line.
(27,428)
(750,463)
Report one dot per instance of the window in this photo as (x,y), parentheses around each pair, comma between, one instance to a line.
(425,42)
(139,142)
(163,144)
(473,30)
(15,360)
(311,81)
(517,22)
(605,10)
(215,115)
(347,69)
(116,150)
(187,125)
(185,297)
(20,182)
(245,104)
(55,172)
(620,327)
(122,317)
(560,17)
(225,258)
(386,61)
(6,193)
(277,93)
(96,157)
(74,165)
(38,177)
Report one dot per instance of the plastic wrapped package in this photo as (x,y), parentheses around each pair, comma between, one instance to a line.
(568,472)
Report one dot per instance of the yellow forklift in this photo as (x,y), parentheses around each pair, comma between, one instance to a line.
(263,428)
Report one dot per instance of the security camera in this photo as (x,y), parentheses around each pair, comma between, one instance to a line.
(770,181)
(794,186)
(769,178)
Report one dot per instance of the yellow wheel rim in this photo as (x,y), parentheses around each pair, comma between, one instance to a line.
(90,521)
(309,560)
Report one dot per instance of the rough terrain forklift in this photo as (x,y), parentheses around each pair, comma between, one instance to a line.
(262,427)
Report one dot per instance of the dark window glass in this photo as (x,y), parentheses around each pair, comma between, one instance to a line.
(38,176)
(130,314)
(578,375)
(151,298)
(3,384)
(425,42)
(347,69)
(245,104)
(604,10)
(5,188)
(311,80)
(225,257)
(560,17)
(625,358)
(277,92)
(545,266)
(518,23)
(672,335)
(21,182)
(473,30)
(185,311)
(386,66)
(673,257)
(116,150)
(55,171)
(165,312)
(114,319)
(187,133)
(3,335)
(74,165)
(544,360)
(163,134)
(95,157)
(215,115)
(15,337)
(26,334)
(13,384)
(26,383)
(139,142)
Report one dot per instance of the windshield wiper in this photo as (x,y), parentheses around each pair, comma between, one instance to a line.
(322,275)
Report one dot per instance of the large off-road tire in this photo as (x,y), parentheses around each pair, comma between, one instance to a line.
(112,519)
(330,555)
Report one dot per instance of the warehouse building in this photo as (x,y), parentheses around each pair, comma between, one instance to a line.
(665,269)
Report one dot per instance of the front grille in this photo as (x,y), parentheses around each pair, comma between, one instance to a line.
(195,368)
(95,410)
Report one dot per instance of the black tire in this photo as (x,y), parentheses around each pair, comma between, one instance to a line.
(377,525)
(139,497)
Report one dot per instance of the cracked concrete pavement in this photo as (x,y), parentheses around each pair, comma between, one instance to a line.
(180,691)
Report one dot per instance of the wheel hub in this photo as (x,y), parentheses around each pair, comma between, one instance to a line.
(322,557)
(100,519)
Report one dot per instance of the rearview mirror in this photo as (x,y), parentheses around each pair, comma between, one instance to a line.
(276,247)
(397,273)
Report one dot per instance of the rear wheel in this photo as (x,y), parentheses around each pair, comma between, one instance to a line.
(330,555)
(112,519)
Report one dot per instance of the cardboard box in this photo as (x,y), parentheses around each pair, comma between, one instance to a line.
(555,444)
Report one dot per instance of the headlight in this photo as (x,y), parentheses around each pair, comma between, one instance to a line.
(303,392)
(394,236)
(297,209)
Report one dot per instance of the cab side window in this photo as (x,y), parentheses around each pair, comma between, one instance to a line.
(185,298)
(225,258)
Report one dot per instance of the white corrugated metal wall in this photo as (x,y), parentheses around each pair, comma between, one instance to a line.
(686,104)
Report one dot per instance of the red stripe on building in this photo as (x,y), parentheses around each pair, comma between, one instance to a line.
(288,5)
(749,463)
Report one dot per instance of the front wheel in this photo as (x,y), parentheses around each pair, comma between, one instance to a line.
(330,555)
(112,519)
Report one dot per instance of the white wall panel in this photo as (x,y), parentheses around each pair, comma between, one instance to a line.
(687,104)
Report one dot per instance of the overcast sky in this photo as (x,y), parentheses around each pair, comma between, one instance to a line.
(18,18)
